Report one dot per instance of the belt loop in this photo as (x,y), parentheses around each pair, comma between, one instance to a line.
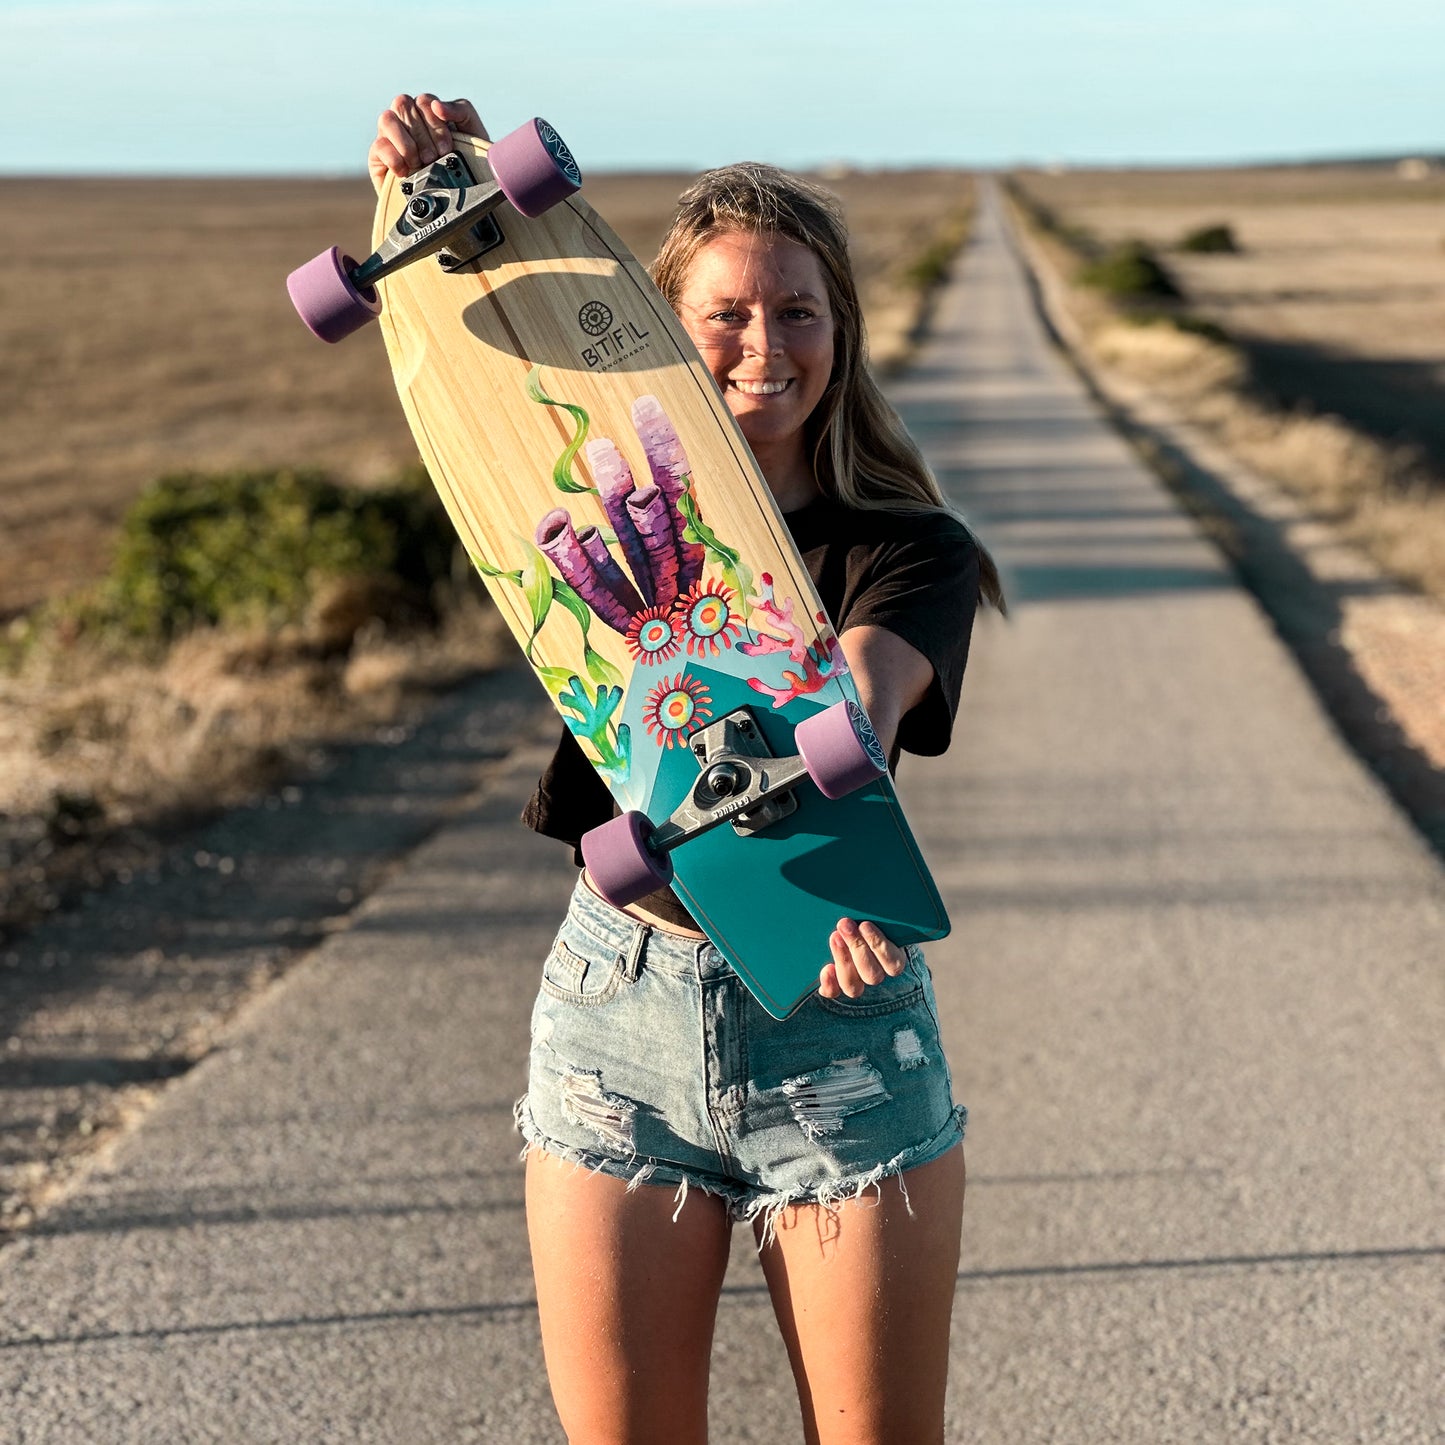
(632,964)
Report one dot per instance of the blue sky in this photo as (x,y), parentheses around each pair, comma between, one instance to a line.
(212,86)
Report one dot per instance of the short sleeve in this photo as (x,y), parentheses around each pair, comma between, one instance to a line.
(924,588)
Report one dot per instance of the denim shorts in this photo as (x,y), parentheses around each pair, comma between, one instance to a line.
(651,1062)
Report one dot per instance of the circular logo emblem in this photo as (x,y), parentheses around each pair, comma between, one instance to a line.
(594,318)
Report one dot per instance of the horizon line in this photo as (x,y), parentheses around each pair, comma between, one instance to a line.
(837,165)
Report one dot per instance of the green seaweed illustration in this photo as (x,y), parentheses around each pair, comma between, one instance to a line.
(594,710)
(542,590)
(562,477)
(736,573)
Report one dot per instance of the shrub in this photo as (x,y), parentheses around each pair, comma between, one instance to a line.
(1210,240)
(930,266)
(1202,326)
(1130,271)
(1189,322)
(254,546)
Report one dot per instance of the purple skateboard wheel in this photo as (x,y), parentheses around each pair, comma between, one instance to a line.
(534,168)
(619,862)
(840,748)
(326,300)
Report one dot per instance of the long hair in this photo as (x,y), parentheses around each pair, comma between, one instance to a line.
(862,455)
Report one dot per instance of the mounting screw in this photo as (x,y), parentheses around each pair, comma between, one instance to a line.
(406,188)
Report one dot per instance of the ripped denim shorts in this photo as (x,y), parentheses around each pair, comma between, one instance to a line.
(652,1063)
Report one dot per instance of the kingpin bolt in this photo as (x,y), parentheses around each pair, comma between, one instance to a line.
(725,779)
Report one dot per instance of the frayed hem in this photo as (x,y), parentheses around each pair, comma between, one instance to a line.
(830,1197)
(633,1171)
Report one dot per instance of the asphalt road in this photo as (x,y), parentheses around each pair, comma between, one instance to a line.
(1193,999)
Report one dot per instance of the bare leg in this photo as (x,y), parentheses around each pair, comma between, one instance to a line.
(864,1301)
(628,1299)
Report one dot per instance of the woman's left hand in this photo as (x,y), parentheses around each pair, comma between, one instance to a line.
(862,954)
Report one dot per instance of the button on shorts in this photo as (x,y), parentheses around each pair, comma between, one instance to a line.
(651,1062)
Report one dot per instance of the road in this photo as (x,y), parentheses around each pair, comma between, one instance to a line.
(1193,999)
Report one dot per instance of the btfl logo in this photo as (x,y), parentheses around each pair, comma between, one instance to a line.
(612,344)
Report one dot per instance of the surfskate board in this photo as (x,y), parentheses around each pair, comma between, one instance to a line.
(606,495)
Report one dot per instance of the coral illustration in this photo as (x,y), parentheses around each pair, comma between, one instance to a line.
(589,569)
(656,527)
(821,661)
(593,715)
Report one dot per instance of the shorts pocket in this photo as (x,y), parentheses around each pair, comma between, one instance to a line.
(574,978)
(903,991)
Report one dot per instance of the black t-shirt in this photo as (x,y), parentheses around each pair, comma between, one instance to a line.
(915,574)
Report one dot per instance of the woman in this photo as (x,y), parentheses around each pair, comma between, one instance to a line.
(834,1131)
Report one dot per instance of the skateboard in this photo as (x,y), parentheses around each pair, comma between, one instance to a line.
(606,496)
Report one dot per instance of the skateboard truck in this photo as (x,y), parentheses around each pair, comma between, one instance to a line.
(448,211)
(740,781)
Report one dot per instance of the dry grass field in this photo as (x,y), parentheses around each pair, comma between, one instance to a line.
(144,328)
(1338,290)
(1330,373)
(1327,374)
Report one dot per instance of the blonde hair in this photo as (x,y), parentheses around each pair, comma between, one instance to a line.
(862,455)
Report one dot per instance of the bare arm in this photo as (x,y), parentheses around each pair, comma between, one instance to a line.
(892,677)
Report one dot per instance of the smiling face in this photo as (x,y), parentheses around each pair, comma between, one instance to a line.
(757,309)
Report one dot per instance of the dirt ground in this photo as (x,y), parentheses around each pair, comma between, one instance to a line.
(145,328)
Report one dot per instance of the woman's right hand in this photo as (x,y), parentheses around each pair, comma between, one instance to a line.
(415,130)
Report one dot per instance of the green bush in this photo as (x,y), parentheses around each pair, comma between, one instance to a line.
(253,547)
(931,266)
(1186,321)
(1210,240)
(1128,272)
(1202,326)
